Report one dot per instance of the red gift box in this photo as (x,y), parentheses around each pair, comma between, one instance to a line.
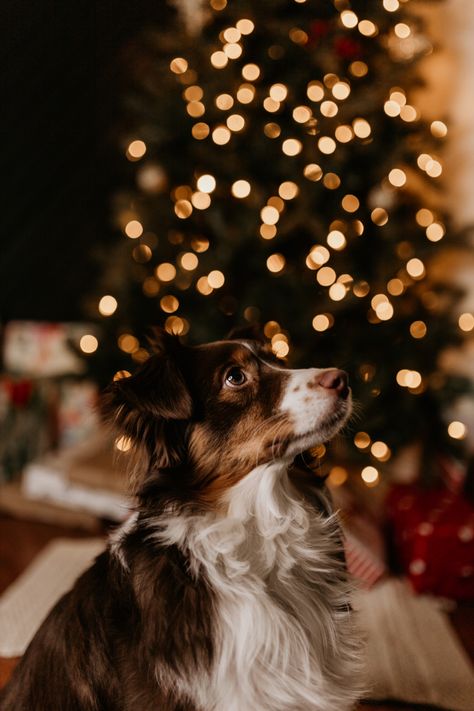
(433,534)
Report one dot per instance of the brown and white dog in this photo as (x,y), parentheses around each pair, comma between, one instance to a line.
(226,590)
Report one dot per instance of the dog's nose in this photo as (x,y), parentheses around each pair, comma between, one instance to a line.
(335,380)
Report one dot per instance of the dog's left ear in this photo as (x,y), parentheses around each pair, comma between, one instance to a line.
(253,332)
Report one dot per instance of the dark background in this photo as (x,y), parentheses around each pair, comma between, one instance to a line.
(61,63)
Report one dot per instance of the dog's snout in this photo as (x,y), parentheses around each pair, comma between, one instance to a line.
(335,380)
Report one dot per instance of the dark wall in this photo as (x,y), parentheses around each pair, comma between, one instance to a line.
(60,97)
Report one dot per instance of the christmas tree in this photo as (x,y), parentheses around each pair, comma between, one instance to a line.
(278,173)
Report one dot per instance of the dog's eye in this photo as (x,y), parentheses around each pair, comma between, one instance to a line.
(235,377)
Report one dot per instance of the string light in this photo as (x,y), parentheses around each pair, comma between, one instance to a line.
(269,215)
(418,329)
(133,229)
(349,19)
(241,189)
(169,304)
(329,109)
(275,263)
(128,343)
(165,271)
(337,291)
(88,343)
(315,91)
(397,177)
(219,59)
(136,150)
(313,172)
(245,26)
(380,451)
(245,93)
(337,476)
(350,203)
(367,28)
(344,133)
(221,135)
(216,279)
(435,232)
(251,72)
(302,114)
(288,190)
(189,261)
(183,209)
(107,305)
(200,131)
(235,122)
(362,440)
(415,268)
(326,276)
(457,430)
(291,147)
(438,129)
(178,65)
(326,145)
(361,128)
(466,322)
(203,286)
(321,322)
(370,476)
(336,240)
(206,183)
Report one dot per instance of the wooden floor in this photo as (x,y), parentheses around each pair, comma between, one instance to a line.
(21,541)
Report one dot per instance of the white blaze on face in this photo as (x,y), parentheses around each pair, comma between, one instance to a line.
(303,400)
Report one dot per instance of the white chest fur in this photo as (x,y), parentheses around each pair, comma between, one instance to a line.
(284,634)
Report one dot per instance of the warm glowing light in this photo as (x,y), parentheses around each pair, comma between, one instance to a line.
(200,244)
(319,255)
(362,440)
(134,229)
(251,72)
(301,114)
(370,476)
(423,160)
(219,59)
(466,322)
(233,50)
(272,130)
(379,450)
(288,190)
(415,268)
(136,150)
(379,216)
(350,203)
(216,279)
(88,343)
(315,91)
(201,201)
(457,430)
(271,328)
(150,287)
(176,325)
(349,18)
(278,92)
(245,93)
(235,122)
(341,90)
(367,28)
(183,209)
(392,108)
(395,287)
(434,168)
(424,217)
(275,263)
(336,240)
(232,34)
(280,349)
(384,311)
(329,109)
(245,26)
(224,102)
(331,181)
(391,5)
(326,145)
(193,93)
(203,286)
(418,329)
(268,231)
(107,305)
(435,232)
(165,271)
(206,183)
(221,135)
(344,133)
(361,289)
(358,69)
(128,343)
(178,65)
(169,304)
(270,105)
(195,109)
(438,129)
(361,127)
(326,276)
(337,291)
(269,215)
(409,378)
(337,476)
(200,131)
(321,322)
(313,172)
(402,30)
(241,189)
(189,261)
(408,113)
(397,177)
(291,147)
(123,444)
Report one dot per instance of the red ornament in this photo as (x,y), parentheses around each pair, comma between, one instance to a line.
(433,533)
(348,48)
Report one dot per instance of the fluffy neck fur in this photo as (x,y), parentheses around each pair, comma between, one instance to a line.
(284,636)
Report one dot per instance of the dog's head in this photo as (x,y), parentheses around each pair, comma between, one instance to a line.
(207,415)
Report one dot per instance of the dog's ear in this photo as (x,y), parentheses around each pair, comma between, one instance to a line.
(152,405)
(252,332)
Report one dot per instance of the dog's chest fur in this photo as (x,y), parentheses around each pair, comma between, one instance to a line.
(281,637)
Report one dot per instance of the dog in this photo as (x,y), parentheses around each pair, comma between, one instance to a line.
(226,589)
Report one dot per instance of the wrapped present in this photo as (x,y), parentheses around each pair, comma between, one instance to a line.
(433,537)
